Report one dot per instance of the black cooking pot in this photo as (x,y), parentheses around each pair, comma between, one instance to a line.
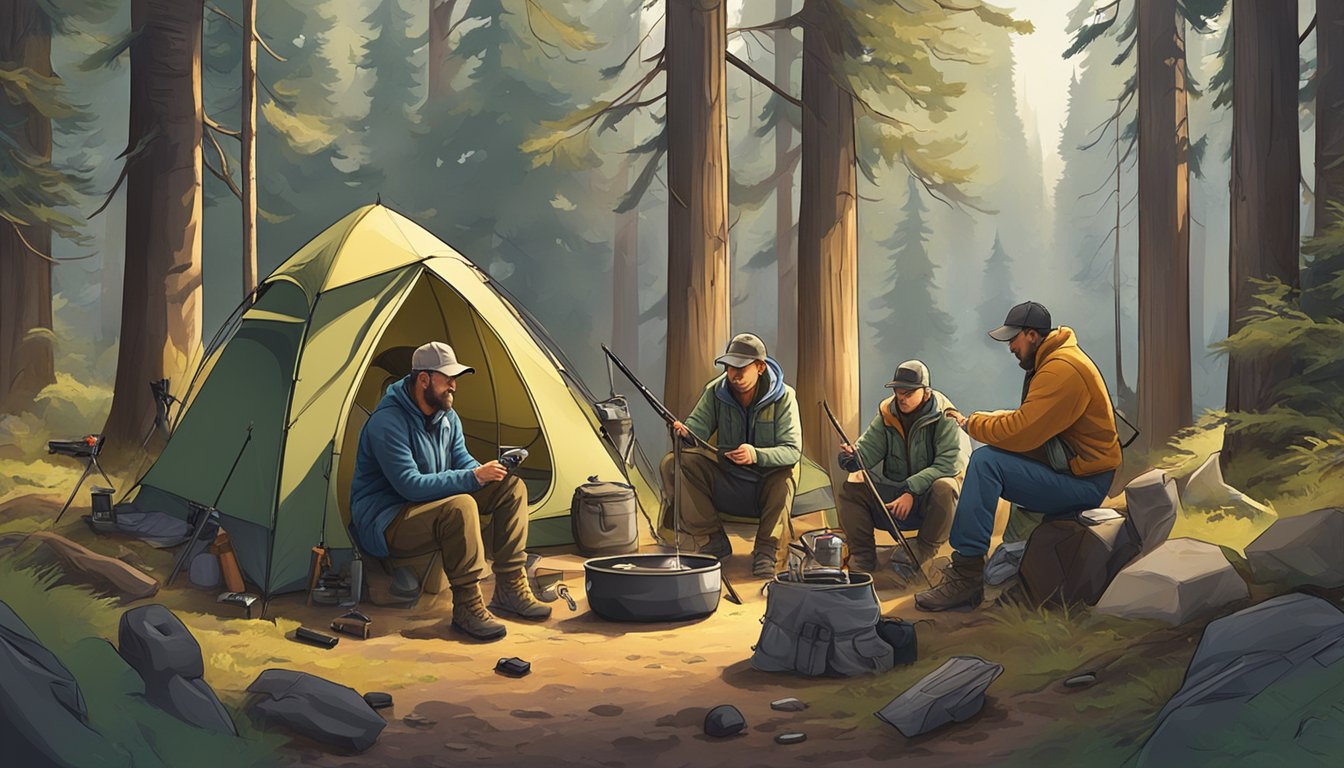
(652,587)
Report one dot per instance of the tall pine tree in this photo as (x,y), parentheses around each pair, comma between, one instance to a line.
(999,291)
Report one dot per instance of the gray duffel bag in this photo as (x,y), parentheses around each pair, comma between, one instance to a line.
(602,518)
(822,630)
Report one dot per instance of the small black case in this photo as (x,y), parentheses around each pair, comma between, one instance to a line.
(378,699)
(513,667)
(316,638)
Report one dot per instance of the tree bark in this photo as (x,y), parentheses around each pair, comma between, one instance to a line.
(1329,112)
(249,150)
(161,307)
(828,321)
(786,244)
(1164,224)
(441,65)
(27,357)
(1264,236)
(625,280)
(697,181)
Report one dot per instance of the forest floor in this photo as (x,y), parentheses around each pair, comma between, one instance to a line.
(618,695)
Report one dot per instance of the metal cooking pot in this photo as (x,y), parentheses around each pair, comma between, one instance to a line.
(652,587)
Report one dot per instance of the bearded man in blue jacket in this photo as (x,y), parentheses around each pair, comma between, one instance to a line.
(417,490)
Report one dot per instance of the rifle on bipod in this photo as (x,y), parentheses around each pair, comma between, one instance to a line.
(653,400)
(868,480)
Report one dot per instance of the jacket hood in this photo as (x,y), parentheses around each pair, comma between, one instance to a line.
(1059,339)
(776,377)
(395,397)
(935,405)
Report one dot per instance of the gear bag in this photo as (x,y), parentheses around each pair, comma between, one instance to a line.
(822,629)
(602,518)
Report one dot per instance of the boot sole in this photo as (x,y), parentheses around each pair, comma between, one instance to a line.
(497,609)
(475,636)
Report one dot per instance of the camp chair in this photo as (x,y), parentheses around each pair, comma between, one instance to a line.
(398,578)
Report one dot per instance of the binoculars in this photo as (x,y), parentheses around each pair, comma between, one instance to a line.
(512,457)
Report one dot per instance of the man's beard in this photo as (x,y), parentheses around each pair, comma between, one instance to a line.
(444,403)
(1028,361)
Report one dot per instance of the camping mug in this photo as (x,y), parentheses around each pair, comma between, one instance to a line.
(829,549)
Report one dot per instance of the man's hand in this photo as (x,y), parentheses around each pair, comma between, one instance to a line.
(847,449)
(742,454)
(680,429)
(490,472)
(900,508)
(955,415)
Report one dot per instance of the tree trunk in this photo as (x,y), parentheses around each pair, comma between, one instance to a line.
(828,321)
(1264,237)
(1164,224)
(249,150)
(27,361)
(1329,112)
(1122,390)
(697,209)
(442,66)
(786,243)
(161,306)
(625,280)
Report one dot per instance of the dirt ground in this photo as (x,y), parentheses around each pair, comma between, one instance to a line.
(611,694)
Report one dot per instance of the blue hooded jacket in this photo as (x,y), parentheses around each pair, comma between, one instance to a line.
(405,457)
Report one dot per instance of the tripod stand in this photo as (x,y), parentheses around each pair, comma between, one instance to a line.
(86,448)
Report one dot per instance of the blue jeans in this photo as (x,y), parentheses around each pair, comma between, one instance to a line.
(994,473)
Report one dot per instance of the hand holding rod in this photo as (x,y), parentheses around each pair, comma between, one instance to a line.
(658,406)
(868,480)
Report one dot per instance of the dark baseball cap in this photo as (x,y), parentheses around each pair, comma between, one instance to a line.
(912,374)
(743,349)
(1027,315)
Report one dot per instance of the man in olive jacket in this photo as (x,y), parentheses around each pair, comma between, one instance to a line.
(915,456)
(1055,454)
(754,415)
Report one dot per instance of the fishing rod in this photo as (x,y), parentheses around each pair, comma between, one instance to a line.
(868,480)
(657,404)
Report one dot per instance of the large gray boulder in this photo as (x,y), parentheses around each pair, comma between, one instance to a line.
(43,719)
(163,651)
(952,693)
(1265,687)
(319,709)
(1205,489)
(1307,549)
(1175,583)
(1072,561)
(1152,505)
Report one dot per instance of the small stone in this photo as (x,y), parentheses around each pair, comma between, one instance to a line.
(791,738)
(1079,681)
(417,720)
(454,746)
(531,714)
(724,720)
(606,710)
(788,705)
(653,666)
(693,660)
(633,657)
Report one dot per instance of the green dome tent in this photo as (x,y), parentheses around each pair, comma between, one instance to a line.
(286,387)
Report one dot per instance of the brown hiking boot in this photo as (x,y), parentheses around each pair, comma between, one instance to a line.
(718,546)
(514,595)
(762,565)
(963,586)
(906,572)
(470,617)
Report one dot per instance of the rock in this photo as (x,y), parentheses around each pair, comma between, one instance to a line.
(194,702)
(454,746)
(1264,687)
(606,710)
(1176,582)
(1206,489)
(1080,681)
(953,693)
(417,720)
(1152,504)
(43,719)
(319,709)
(1306,549)
(204,571)
(378,699)
(791,738)
(724,720)
(158,645)
(1005,562)
(1071,561)
(107,576)
(788,705)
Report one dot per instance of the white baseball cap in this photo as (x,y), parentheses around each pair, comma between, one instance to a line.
(437,356)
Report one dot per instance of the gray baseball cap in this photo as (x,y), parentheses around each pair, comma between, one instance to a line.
(912,374)
(1027,315)
(437,356)
(743,349)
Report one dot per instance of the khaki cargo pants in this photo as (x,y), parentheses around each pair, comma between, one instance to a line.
(705,478)
(466,529)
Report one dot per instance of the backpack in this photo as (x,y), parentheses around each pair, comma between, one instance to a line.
(602,518)
(822,630)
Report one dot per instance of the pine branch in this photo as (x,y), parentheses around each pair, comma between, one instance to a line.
(132,155)
(758,77)
(255,35)
(788,22)
(18,230)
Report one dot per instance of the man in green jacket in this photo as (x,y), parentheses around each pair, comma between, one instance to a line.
(753,472)
(915,456)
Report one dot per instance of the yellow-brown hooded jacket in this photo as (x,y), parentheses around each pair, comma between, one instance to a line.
(1066,397)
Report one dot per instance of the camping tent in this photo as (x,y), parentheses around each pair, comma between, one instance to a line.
(270,423)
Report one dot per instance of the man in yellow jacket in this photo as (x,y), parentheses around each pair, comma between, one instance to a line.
(1055,454)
